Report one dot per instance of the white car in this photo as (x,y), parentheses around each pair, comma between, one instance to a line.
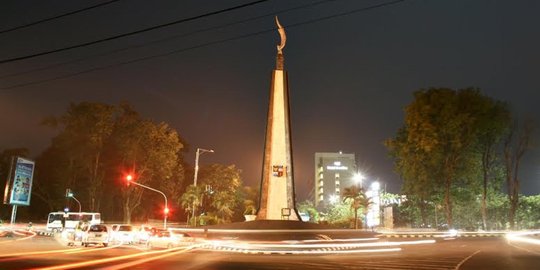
(169,239)
(95,234)
(143,233)
(123,233)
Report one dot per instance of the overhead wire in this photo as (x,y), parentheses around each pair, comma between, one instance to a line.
(368,8)
(57,17)
(110,52)
(85,44)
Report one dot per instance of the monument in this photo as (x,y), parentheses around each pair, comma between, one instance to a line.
(277,218)
(277,199)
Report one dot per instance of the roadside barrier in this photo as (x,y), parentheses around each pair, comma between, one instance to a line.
(438,235)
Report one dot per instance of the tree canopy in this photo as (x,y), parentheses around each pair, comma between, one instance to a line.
(436,150)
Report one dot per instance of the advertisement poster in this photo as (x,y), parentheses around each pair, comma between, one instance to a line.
(22,182)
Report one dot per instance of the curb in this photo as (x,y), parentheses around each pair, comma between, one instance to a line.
(442,235)
(42,233)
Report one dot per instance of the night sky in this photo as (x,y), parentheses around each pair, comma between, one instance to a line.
(349,76)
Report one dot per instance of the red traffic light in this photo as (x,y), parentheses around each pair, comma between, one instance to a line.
(129,178)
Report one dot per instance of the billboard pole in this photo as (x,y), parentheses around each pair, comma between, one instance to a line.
(13,214)
(19,184)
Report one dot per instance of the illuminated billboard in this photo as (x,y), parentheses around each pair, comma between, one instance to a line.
(20,182)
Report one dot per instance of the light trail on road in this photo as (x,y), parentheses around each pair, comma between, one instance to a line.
(315,248)
(108,260)
(20,254)
(16,256)
(247,245)
(91,249)
(335,240)
(523,237)
(145,260)
(33,234)
(307,252)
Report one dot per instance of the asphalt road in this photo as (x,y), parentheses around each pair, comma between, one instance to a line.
(460,253)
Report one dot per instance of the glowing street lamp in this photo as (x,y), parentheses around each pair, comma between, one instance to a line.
(375,186)
(359,178)
(334,199)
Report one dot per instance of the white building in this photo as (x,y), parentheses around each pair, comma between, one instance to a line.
(333,173)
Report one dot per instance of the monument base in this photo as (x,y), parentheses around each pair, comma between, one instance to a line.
(277,230)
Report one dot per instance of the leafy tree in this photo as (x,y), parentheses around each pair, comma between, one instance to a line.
(497,209)
(407,213)
(309,208)
(49,184)
(146,149)
(190,199)
(494,123)
(357,198)
(85,127)
(528,213)
(225,183)
(250,198)
(433,149)
(515,146)
(339,215)
(418,172)
(224,202)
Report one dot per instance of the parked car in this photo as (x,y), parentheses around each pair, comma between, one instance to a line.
(123,233)
(96,234)
(169,239)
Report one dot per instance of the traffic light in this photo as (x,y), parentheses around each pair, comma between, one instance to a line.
(69,193)
(129,178)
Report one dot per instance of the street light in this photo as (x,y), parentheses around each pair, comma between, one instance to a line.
(376,186)
(69,194)
(199,152)
(359,178)
(129,179)
(334,198)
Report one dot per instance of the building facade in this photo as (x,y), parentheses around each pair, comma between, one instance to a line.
(333,173)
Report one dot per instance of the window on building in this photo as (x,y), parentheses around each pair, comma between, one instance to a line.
(336,175)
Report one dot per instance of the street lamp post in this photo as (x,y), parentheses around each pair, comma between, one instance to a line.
(166,210)
(73,197)
(69,194)
(199,152)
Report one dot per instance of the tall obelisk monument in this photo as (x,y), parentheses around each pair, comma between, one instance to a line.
(277,185)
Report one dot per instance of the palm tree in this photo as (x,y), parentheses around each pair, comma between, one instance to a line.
(358,199)
(190,199)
